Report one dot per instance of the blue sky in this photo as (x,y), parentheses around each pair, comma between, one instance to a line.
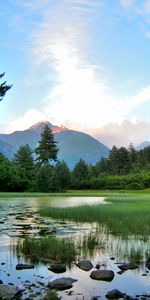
(81,63)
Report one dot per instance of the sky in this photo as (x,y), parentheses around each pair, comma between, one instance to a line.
(83,64)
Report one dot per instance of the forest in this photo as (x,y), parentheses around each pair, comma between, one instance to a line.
(39,170)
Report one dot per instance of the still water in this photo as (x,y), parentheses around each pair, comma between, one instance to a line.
(19,218)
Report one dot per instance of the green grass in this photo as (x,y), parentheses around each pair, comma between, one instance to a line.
(127,214)
(73,193)
(47,249)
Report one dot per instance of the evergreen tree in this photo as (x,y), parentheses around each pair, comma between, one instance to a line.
(132,153)
(45,179)
(119,161)
(24,159)
(3,87)
(62,176)
(46,150)
(81,175)
(81,171)
(102,166)
(113,156)
(124,164)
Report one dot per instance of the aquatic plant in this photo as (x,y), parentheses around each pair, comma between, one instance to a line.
(125,215)
(47,248)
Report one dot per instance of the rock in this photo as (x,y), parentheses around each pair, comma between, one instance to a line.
(41,283)
(63,283)
(24,266)
(85,265)
(127,266)
(97,266)
(120,272)
(148,263)
(106,275)
(8,292)
(114,294)
(57,268)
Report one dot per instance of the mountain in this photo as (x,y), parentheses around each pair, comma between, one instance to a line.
(72,145)
(7,149)
(143,145)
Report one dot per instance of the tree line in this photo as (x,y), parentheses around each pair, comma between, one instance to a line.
(40,171)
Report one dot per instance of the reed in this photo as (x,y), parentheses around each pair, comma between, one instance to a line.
(47,249)
(127,214)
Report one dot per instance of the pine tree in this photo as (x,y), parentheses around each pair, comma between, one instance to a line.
(3,87)
(24,158)
(46,150)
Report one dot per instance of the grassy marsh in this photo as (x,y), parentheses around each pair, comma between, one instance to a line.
(127,214)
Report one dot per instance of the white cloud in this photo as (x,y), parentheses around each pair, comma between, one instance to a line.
(131,103)
(138,7)
(30,117)
(81,96)
(123,134)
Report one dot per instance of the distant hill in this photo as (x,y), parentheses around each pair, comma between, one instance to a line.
(72,145)
(143,145)
(7,149)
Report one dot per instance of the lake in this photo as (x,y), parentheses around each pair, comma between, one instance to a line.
(19,218)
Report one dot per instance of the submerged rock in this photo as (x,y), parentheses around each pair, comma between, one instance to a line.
(8,292)
(148,263)
(62,283)
(106,275)
(97,266)
(24,266)
(57,268)
(114,294)
(127,266)
(85,265)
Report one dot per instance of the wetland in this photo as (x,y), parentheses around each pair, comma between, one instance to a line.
(110,231)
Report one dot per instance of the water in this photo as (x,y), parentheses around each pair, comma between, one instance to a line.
(19,218)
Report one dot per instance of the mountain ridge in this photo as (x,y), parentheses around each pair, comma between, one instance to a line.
(73,145)
(143,145)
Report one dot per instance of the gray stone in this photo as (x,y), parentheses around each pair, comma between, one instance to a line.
(8,292)
(127,266)
(114,294)
(148,263)
(24,266)
(62,283)
(85,265)
(97,266)
(106,275)
(57,268)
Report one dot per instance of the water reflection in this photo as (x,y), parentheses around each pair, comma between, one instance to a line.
(19,219)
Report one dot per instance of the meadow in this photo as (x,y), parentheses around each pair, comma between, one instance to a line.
(124,213)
